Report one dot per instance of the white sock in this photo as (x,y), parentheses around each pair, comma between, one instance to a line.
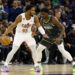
(73,63)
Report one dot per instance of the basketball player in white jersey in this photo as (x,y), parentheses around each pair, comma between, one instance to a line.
(23,24)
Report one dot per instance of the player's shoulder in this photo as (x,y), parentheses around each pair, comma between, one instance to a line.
(22,14)
(19,17)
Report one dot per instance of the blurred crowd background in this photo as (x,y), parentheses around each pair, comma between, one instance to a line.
(64,10)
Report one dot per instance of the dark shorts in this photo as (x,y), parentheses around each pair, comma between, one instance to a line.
(49,42)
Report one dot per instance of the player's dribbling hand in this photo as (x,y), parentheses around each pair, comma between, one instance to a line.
(45,36)
(3,36)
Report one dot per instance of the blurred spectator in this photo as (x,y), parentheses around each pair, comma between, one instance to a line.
(9,2)
(69,28)
(1,6)
(49,6)
(51,12)
(72,5)
(19,4)
(27,2)
(55,3)
(3,14)
(70,42)
(70,38)
(6,9)
(65,19)
(67,3)
(41,5)
(4,26)
(14,11)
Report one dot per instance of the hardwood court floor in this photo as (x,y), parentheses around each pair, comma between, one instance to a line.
(47,70)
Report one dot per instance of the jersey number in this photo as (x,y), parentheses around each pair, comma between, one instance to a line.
(25,27)
(25,30)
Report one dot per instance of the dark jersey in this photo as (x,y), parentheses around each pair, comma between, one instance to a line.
(51,30)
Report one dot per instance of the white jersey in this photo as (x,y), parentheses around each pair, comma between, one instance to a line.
(25,26)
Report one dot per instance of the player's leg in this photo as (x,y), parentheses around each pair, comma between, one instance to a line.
(47,55)
(40,48)
(17,42)
(32,45)
(65,53)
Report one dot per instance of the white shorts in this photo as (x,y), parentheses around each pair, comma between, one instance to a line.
(21,37)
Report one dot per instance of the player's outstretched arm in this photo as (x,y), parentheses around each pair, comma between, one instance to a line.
(40,28)
(59,25)
(10,28)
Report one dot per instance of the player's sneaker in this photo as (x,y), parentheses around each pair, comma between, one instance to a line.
(4,69)
(74,68)
(73,63)
(39,67)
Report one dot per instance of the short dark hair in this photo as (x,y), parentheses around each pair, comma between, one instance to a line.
(28,7)
(45,10)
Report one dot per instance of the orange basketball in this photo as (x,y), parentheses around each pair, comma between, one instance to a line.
(5,40)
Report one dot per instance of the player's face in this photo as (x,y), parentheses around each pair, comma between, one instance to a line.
(32,11)
(44,15)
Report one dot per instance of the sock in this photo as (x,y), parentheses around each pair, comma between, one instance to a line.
(73,63)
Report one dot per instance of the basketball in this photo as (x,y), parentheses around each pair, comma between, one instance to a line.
(5,40)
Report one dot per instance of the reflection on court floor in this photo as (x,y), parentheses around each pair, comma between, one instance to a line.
(64,69)
(3,73)
(57,74)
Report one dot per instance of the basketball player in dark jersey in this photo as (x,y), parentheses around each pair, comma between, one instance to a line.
(55,30)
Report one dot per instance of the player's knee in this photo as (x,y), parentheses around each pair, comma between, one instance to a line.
(14,49)
(61,49)
(41,47)
(15,46)
(32,47)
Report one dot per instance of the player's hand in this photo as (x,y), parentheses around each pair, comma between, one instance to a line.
(58,40)
(45,36)
(3,36)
